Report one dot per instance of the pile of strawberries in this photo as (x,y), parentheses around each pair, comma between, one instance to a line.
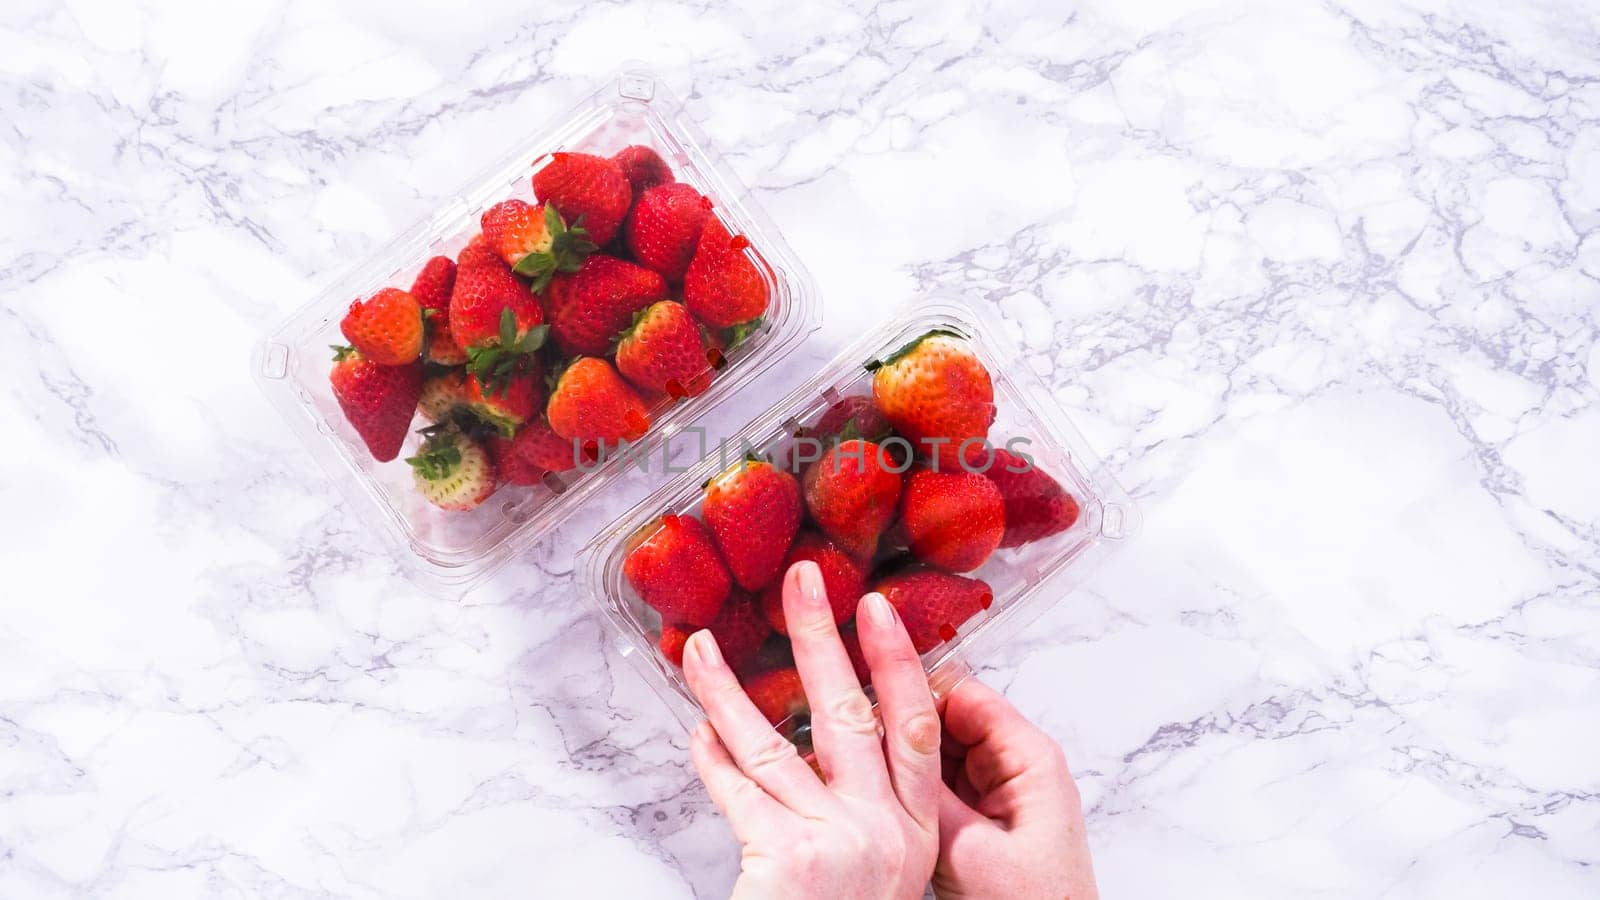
(904,495)
(554,332)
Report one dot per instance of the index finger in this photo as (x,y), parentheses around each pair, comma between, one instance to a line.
(760,752)
(844,729)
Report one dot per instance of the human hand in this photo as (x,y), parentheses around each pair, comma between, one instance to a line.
(1010,820)
(869,827)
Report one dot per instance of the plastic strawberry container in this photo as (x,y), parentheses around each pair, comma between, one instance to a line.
(449,551)
(1025,580)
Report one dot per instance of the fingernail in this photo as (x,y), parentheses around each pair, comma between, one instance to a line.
(705,646)
(702,732)
(879,612)
(811,588)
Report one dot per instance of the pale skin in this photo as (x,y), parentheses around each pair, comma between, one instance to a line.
(980,803)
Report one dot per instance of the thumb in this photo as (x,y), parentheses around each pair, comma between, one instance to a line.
(956,817)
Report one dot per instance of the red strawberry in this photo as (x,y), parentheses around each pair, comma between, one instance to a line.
(453,471)
(589,308)
(433,284)
(534,240)
(851,494)
(387,328)
(664,228)
(477,252)
(953,519)
(739,629)
(1037,506)
(673,640)
(378,401)
(753,511)
(937,394)
(675,568)
(934,604)
(443,395)
(590,191)
(442,347)
(851,417)
(591,402)
(432,289)
(843,577)
(779,695)
(483,292)
(545,449)
(722,286)
(510,464)
(643,167)
(516,400)
(496,320)
(665,352)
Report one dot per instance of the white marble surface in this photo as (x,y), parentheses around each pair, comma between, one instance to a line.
(1321,281)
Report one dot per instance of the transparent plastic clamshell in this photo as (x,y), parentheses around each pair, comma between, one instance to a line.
(1026,580)
(448,552)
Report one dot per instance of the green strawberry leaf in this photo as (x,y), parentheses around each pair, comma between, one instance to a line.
(568,248)
(741,332)
(849,432)
(876,364)
(533,340)
(438,457)
(542,280)
(508,327)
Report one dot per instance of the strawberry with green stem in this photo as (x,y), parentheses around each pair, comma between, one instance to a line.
(937,394)
(378,401)
(508,404)
(495,319)
(591,306)
(664,352)
(535,241)
(511,355)
(451,470)
(386,328)
(848,419)
(432,289)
